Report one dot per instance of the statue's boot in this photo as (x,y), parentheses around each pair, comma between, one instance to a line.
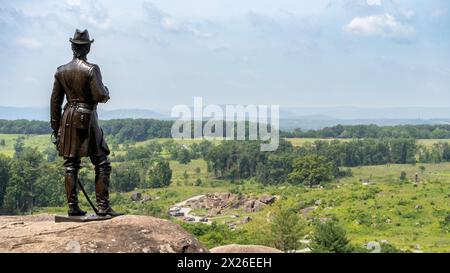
(72,196)
(102,178)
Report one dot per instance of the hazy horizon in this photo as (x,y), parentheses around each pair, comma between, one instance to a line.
(156,54)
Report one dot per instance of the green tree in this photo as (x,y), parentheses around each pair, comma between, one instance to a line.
(49,186)
(2,142)
(159,173)
(4,177)
(125,177)
(286,229)
(403,176)
(24,172)
(422,169)
(329,237)
(311,170)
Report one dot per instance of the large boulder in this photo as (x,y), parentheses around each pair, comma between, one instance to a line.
(234,248)
(267,199)
(129,233)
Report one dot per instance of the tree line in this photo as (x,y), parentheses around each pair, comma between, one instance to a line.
(32,178)
(441,131)
(315,162)
(132,130)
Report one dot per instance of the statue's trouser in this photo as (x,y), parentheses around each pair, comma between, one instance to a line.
(102,178)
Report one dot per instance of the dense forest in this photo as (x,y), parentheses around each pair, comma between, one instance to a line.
(132,130)
(440,131)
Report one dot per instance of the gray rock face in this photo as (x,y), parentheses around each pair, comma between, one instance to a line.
(267,199)
(136,196)
(129,233)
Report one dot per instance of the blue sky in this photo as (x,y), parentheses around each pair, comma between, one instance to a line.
(159,53)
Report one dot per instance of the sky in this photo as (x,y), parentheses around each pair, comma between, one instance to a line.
(155,54)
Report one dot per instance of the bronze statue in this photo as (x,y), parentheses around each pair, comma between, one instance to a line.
(76,132)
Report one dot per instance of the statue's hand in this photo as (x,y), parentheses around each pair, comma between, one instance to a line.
(55,139)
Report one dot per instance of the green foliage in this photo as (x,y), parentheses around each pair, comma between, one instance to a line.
(159,173)
(215,234)
(4,177)
(329,237)
(148,151)
(275,170)
(438,131)
(131,130)
(422,169)
(198,182)
(286,229)
(125,177)
(23,126)
(445,223)
(24,172)
(311,170)
(403,176)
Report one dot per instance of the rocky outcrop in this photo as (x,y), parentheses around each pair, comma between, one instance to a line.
(234,248)
(215,203)
(39,233)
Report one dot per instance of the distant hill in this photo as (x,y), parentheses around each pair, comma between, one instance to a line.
(351,112)
(43,113)
(290,117)
(314,124)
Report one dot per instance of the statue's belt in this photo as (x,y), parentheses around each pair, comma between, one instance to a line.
(81,105)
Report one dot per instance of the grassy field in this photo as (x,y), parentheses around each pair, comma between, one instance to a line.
(41,142)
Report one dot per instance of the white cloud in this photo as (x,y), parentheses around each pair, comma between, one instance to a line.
(169,23)
(374,2)
(407,13)
(438,12)
(29,43)
(74,2)
(383,25)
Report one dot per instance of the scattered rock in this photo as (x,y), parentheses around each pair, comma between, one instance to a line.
(136,196)
(306,211)
(418,207)
(254,206)
(318,202)
(40,233)
(244,220)
(146,198)
(214,212)
(268,199)
(235,248)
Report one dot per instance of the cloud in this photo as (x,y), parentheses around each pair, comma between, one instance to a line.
(382,25)
(166,22)
(438,12)
(29,43)
(374,2)
(262,22)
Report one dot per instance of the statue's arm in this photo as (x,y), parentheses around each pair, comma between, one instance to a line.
(56,101)
(100,92)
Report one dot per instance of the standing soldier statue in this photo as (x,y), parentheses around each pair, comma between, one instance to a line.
(76,132)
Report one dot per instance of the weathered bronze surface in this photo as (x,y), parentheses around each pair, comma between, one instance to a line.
(85,218)
(76,130)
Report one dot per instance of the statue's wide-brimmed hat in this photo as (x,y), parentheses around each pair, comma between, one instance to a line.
(81,37)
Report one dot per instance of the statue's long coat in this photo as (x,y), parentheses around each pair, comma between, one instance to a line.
(77,128)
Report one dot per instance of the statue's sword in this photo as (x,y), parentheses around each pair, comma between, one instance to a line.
(87,197)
